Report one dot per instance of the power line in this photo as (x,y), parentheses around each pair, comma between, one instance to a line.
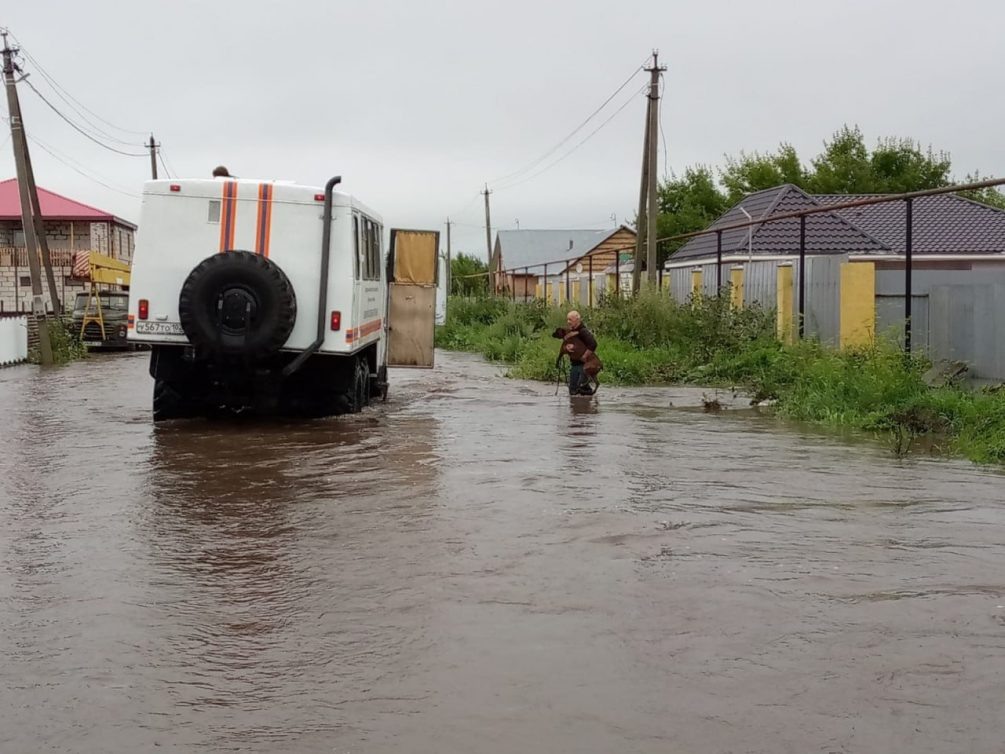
(67,162)
(167,163)
(61,91)
(163,165)
(576,130)
(581,143)
(78,128)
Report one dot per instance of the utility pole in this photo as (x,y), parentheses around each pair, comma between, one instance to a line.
(654,109)
(640,218)
(488,235)
(20,146)
(152,146)
(39,222)
(448,256)
(648,192)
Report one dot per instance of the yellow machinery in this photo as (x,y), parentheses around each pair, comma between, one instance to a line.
(104,270)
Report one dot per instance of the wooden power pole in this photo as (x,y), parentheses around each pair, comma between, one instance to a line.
(28,222)
(640,218)
(649,191)
(488,238)
(152,146)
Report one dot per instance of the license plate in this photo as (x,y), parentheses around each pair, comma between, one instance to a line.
(159,328)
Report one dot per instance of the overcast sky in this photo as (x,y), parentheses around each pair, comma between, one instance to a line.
(418,104)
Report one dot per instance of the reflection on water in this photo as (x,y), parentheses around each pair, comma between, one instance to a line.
(481,565)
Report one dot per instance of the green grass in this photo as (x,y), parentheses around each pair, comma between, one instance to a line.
(651,340)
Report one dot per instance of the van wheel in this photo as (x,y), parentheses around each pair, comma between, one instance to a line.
(359,390)
(238,306)
(171,404)
(378,387)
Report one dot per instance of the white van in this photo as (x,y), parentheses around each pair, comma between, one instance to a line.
(275,298)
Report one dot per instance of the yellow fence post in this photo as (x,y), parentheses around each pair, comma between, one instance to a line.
(858,304)
(696,282)
(736,287)
(785,295)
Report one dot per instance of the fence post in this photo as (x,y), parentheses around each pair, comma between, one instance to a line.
(908,249)
(802,276)
(544,287)
(591,281)
(718,263)
(617,274)
(568,284)
(783,309)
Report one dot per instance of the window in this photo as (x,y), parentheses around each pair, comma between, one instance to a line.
(367,246)
(214,211)
(355,246)
(376,252)
(25,281)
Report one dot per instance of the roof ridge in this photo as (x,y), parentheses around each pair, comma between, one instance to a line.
(782,190)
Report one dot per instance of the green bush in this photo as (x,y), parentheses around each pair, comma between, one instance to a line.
(66,345)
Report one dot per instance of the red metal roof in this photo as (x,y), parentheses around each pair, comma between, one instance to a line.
(54,206)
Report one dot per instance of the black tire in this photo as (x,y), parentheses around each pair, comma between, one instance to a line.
(169,403)
(358,394)
(237,306)
(378,387)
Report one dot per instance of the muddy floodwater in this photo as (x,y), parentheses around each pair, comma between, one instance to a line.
(479,566)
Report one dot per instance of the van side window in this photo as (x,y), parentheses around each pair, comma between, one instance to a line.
(365,249)
(355,246)
(371,270)
(377,236)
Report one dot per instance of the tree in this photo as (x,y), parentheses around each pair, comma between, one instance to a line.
(468,276)
(990,196)
(845,166)
(687,204)
(756,172)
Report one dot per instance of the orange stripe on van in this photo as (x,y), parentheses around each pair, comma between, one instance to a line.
(367,328)
(228,215)
(263,223)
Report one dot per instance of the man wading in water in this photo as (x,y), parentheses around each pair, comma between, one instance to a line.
(579,383)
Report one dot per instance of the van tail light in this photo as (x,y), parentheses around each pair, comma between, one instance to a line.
(336,321)
(144,311)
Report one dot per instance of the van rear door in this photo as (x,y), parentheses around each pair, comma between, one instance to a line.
(412,276)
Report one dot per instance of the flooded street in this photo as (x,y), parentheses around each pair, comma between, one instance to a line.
(477,566)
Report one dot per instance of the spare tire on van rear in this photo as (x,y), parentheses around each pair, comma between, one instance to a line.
(237,305)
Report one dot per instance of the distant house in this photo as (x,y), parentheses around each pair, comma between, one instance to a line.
(70,227)
(855,272)
(947,230)
(524,261)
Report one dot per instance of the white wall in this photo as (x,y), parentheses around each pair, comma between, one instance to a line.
(13,340)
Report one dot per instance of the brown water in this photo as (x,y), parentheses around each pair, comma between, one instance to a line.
(478,566)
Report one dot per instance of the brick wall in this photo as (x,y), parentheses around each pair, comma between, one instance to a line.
(57,233)
(17,297)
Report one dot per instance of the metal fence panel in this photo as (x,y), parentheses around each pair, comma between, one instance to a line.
(823,298)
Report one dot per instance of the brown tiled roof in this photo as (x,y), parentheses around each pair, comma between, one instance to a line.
(826,232)
(944,224)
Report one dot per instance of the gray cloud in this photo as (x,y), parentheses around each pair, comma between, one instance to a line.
(418,104)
